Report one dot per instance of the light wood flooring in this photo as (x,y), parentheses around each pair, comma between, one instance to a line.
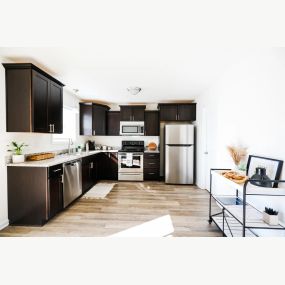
(130,204)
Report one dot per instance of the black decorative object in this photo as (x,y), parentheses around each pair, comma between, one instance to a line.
(262,179)
(272,166)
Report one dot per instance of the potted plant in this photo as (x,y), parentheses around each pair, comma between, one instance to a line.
(17,150)
(79,149)
(270,217)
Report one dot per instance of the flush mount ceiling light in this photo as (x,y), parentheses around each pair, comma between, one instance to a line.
(134,90)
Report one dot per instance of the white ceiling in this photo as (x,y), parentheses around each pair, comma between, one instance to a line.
(104,73)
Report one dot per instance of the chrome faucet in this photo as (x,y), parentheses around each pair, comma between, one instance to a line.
(69,146)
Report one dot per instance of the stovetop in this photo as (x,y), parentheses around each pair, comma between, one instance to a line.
(132,146)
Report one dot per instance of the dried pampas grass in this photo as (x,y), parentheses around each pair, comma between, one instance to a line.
(237,153)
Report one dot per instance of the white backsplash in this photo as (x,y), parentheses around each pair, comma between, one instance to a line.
(116,141)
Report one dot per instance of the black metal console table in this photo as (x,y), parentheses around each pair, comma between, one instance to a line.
(238,217)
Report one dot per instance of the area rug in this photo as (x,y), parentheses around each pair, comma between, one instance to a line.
(99,191)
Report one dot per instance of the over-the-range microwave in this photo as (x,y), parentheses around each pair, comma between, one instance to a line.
(131,128)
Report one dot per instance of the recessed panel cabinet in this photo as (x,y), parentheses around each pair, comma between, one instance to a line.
(151,123)
(34,100)
(113,123)
(93,119)
(132,113)
(177,112)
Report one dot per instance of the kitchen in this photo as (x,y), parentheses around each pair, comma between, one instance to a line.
(66,177)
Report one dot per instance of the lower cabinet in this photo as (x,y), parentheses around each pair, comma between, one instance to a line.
(55,190)
(108,169)
(151,166)
(89,172)
(34,194)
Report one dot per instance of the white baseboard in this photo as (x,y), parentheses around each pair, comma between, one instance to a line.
(4,224)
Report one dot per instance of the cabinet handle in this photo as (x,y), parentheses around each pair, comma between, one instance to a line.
(151,163)
(53,128)
(151,173)
(61,179)
(91,165)
(50,128)
(94,132)
(57,170)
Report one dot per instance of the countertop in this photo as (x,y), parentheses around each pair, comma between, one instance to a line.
(58,159)
(151,151)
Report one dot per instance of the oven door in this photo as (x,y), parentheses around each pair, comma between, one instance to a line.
(135,165)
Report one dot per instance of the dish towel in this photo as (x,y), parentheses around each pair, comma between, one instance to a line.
(129,160)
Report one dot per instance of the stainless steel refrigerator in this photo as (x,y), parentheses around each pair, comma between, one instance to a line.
(179,154)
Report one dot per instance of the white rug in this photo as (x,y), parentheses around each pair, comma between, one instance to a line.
(99,191)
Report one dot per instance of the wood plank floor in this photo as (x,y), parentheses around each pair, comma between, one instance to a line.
(130,204)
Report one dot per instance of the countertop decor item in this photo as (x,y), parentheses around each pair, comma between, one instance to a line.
(264,168)
(235,176)
(238,154)
(40,156)
(152,146)
(17,149)
(270,217)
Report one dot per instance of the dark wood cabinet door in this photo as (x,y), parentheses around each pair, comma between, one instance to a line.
(186,112)
(55,194)
(87,173)
(151,123)
(55,107)
(113,123)
(40,94)
(99,118)
(85,115)
(126,113)
(55,190)
(138,113)
(112,166)
(168,112)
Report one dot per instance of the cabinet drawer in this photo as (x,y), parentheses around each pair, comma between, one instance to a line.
(151,163)
(55,171)
(148,155)
(151,174)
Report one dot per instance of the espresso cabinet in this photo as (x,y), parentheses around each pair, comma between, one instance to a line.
(89,172)
(93,119)
(177,112)
(151,166)
(132,113)
(33,100)
(35,194)
(55,187)
(108,166)
(85,119)
(113,123)
(151,123)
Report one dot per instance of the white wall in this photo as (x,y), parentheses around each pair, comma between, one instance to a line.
(246,106)
(36,142)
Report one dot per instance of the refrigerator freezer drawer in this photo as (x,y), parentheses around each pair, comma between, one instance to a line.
(179,164)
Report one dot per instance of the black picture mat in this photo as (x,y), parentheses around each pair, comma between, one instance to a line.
(278,171)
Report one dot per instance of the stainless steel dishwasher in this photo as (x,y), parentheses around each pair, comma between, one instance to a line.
(72,181)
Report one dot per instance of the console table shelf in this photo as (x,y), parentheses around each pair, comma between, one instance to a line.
(239,218)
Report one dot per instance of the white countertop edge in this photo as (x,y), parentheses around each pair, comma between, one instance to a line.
(58,159)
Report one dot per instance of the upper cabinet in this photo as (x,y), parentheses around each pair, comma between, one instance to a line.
(132,113)
(113,123)
(177,112)
(151,123)
(93,119)
(34,100)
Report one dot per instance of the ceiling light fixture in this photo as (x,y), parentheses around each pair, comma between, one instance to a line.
(134,90)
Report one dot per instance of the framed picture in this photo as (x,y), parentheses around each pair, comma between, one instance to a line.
(273,167)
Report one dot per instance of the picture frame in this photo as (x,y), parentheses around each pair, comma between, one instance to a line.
(273,167)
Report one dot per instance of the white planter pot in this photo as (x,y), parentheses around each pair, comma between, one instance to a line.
(271,220)
(18,158)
